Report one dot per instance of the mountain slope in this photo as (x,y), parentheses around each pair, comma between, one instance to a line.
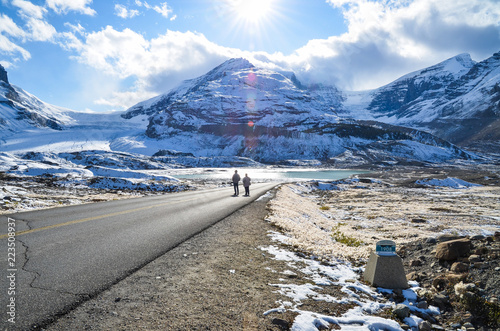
(20,110)
(229,97)
(455,99)
(238,109)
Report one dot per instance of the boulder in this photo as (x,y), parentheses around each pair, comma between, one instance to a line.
(440,282)
(441,300)
(415,263)
(474,258)
(459,267)
(453,249)
(424,326)
(422,304)
(401,311)
(447,237)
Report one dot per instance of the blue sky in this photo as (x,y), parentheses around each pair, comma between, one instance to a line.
(108,55)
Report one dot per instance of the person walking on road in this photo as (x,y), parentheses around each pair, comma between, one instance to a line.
(236,180)
(246,185)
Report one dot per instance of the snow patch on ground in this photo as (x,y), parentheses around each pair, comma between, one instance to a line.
(366,301)
(448,182)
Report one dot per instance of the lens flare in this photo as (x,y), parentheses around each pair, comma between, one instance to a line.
(251,11)
(251,79)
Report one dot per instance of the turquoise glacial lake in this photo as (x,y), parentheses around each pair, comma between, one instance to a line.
(257,174)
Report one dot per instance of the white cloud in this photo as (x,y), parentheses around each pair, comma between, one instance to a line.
(157,64)
(27,9)
(65,6)
(386,39)
(8,47)
(40,30)
(123,12)
(117,52)
(9,27)
(123,100)
(37,28)
(143,4)
(78,29)
(163,9)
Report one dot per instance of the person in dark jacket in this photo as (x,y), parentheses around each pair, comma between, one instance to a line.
(246,185)
(236,180)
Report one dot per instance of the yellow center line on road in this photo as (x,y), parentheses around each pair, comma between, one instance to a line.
(93,218)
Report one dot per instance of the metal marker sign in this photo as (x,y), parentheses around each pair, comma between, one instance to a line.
(385,247)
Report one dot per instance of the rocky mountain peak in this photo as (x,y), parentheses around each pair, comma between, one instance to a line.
(3,75)
(235,64)
(464,59)
(231,65)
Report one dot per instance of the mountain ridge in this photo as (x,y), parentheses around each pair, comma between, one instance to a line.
(237,109)
(454,104)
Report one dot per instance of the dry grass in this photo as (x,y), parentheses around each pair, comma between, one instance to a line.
(380,212)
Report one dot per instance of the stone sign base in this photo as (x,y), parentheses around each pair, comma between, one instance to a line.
(385,271)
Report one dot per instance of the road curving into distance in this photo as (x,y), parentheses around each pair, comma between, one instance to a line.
(56,258)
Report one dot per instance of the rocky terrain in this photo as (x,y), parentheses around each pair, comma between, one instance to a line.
(460,275)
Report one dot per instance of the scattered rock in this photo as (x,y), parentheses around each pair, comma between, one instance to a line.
(454,278)
(440,283)
(448,284)
(401,311)
(281,323)
(468,326)
(453,249)
(431,240)
(425,326)
(447,237)
(415,263)
(461,288)
(474,258)
(440,300)
(459,267)
(422,305)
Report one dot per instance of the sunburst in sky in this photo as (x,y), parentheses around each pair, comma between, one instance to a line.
(252,12)
(109,55)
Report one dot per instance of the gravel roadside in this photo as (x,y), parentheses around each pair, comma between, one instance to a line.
(217,280)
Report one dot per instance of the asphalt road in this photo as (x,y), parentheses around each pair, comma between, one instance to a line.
(63,256)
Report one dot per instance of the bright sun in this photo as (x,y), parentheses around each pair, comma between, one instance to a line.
(251,11)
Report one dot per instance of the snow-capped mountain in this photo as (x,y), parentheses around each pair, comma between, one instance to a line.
(457,100)
(240,110)
(19,109)
(230,98)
